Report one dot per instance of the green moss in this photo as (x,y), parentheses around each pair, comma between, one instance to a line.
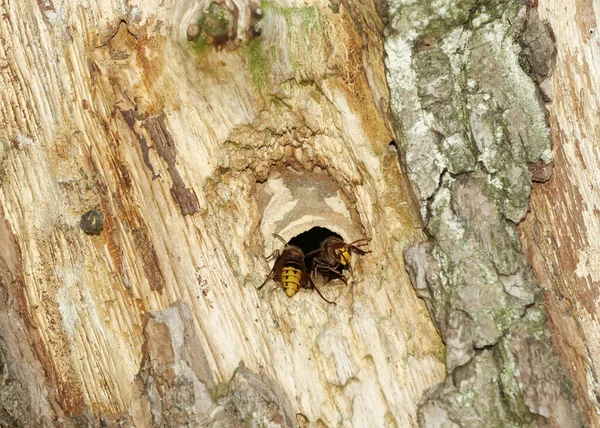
(305,14)
(200,43)
(220,390)
(266,5)
(215,26)
(389,421)
(439,352)
(303,34)
(259,64)
(217,21)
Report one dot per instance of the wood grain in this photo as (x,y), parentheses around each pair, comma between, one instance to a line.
(107,105)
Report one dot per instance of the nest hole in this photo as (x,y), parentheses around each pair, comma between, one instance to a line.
(311,240)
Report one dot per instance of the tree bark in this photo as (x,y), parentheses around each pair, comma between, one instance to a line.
(468,84)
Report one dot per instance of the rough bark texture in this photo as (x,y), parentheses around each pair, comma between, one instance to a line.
(474,138)
(197,143)
(561,234)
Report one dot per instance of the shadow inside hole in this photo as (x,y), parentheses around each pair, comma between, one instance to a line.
(311,240)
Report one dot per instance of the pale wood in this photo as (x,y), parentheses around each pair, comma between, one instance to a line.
(96,96)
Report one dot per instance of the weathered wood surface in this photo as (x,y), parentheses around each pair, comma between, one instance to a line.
(106,104)
(562,232)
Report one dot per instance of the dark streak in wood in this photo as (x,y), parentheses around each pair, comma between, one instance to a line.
(132,217)
(165,147)
(129,215)
(149,258)
(129,116)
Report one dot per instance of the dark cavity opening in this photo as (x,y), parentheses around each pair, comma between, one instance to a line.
(393,146)
(311,240)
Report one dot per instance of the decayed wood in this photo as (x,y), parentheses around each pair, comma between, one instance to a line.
(562,232)
(108,105)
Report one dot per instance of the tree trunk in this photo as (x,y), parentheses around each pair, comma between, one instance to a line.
(196,152)
(150,150)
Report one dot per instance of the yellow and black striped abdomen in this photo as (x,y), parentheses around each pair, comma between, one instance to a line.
(344,256)
(291,280)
